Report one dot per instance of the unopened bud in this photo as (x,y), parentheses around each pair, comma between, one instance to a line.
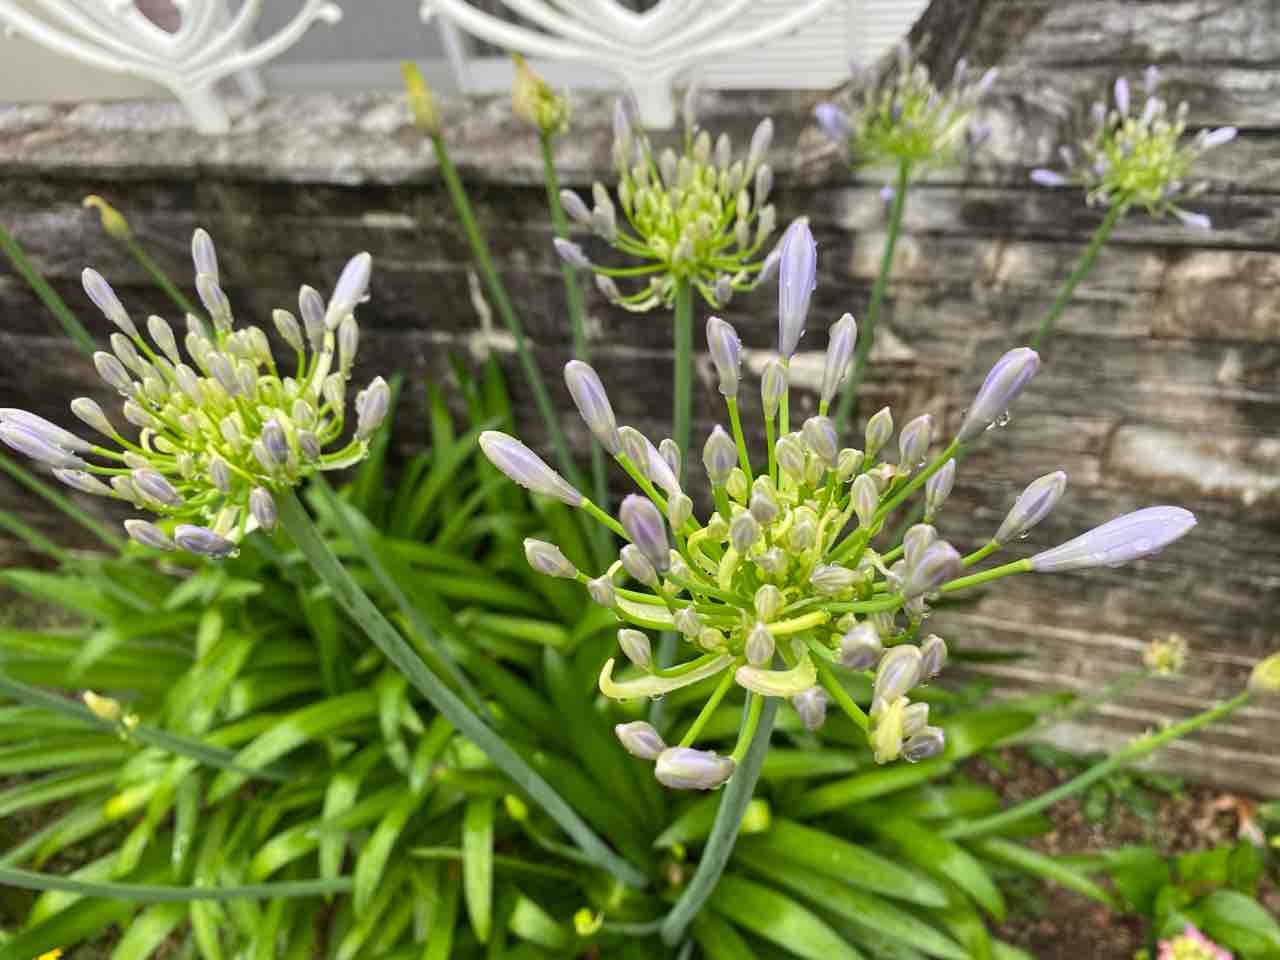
(879,429)
(1122,540)
(1003,385)
(644,525)
(679,510)
(759,646)
(1034,504)
(840,343)
(571,253)
(372,404)
(866,498)
(602,591)
(638,565)
(773,385)
(803,534)
(937,488)
(548,559)
(671,453)
(917,538)
(929,742)
(575,208)
(263,507)
(763,505)
(719,455)
(768,602)
(898,672)
(933,656)
(640,740)
(811,705)
(104,708)
(637,648)
(913,443)
(937,564)
(744,531)
(830,579)
(526,468)
(684,768)
(105,299)
(796,281)
(148,534)
(203,541)
(860,647)
(115,225)
(688,622)
(726,354)
(421,103)
(789,453)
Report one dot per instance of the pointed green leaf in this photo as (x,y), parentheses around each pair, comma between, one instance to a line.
(779,919)
(477,864)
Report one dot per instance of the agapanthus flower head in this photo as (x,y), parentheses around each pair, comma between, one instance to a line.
(1137,156)
(910,118)
(218,431)
(1191,944)
(788,578)
(1166,656)
(699,216)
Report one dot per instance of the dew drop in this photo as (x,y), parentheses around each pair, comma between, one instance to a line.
(1024,534)
(1003,419)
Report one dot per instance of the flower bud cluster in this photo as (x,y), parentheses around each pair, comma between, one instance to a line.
(219,430)
(910,119)
(787,579)
(533,101)
(700,216)
(1133,156)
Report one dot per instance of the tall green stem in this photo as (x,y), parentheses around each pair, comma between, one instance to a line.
(1135,751)
(683,372)
(363,612)
(74,329)
(1082,267)
(502,303)
(715,855)
(161,278)
(867,333)
(581,351)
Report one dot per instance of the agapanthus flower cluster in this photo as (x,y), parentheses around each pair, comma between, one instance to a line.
(219,431)
(785,582)
(699,217)
(910,120)
(1138,157)
(1191,944)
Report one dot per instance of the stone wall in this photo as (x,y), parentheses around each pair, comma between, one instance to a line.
(1162,385)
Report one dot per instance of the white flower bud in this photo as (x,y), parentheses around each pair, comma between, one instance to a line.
(937,489)
(860,647)
(879,429)
(820,437)
(759,646)
(105,299)
(726,354)
(840,343)
(898,672)
(683,768)
(548,559)
(913,443)
(768,602)
(719,455)
(526,468)
(1034,504)
(638,566)
(640,740)
(773,384)
(203,541)
(811,705)
(593,405)
(637,647)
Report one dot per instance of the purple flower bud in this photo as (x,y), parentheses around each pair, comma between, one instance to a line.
(635,447)
(773,385)
(763,506)
(49,432)
(84,482)
(796,281)
(937,488)
(148,534)
(203,254)
(840,343)
(759,146)
(671,455)
(37,447)
(726,354)
(866,498)
(719,454)
(1033,505)
(1130,537)
(548,559)
(640,740)
(1048,178)
(832,578)
(1006,381)
(644,525)
(879,430)
(811,705)
(916,541)
(263,508)
(933,656)
(311,306)
(593,404)
(1189,218)
(105,299)
(638,566)
(744,531)
(113,372)
(898,673)
(759,646)
(352,285)
(1122,96)
(683,768)
(834,123)
(637,647)
(860,647)
(155,487)
(276,442)
(215,301)
(575,207)
(526,468)
(939,563)
(929,742)
(371,407)
(1218,137)
(789,452)
(571,253)
(820,437)
(913,443)
(1150,79)
(203,541)
(602,591)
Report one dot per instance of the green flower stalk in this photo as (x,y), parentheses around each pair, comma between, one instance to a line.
(780,588)
(695,219)
(222,429)
(908,126)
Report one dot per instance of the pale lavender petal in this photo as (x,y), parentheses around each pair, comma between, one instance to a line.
(939,563)
(796,281)
(1130,537)
(647,530)
(1033,505)
(1218,137)
(683,768)
(1006,381)
(593,405)
(1122,96)
(833,121)
(725,348)
(1190,218)
(840,343)
(526,468)
(1047,178)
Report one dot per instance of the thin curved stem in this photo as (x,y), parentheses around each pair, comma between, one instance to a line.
(71,325)
(363,612)
(715,855)
(1135,751)
(683,372)
(867,335)
(1082,267)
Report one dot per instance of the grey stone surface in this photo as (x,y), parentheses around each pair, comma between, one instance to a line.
(1162,385)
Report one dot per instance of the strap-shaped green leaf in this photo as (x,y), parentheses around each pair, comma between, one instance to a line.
(779,919)
(477,864)
(922,846)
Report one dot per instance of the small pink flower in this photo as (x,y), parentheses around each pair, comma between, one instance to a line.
(1192,945)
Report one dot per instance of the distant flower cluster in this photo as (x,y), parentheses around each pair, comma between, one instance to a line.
(700,217)
(1138,157)
(215,435)
(1191,944)
(910,120)
(781,583)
